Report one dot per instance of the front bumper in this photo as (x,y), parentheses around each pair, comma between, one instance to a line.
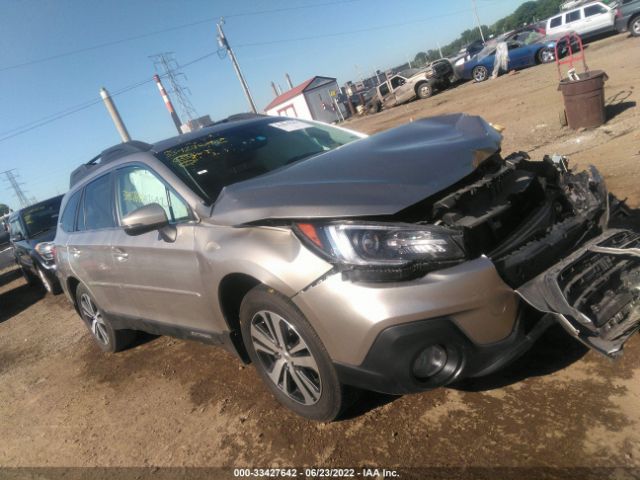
(594,293)
(374,332)
(386,368)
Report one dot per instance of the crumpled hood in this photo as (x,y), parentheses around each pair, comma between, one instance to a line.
(378,175)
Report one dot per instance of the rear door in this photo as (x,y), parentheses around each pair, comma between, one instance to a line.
(555,25)
(88,247)
(573,21)
(595,292)
(161,280)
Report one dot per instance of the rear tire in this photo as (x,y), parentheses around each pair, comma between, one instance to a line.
(480,73)
(546,55)
(289,356)
(106,337)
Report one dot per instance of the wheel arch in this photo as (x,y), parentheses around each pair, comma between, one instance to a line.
(72,285)
(231,291)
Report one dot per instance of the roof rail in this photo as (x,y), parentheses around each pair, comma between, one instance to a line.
(107,156)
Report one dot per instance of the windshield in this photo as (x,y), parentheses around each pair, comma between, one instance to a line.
(42,216)
(211,162)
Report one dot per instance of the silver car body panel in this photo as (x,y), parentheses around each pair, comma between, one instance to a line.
(355,180)
(348,316)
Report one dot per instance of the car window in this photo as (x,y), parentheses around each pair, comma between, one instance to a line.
(384,89)
(245,150)
(98,204)
(68,220)
(138,186)
(15,227)
(572,16)
(555,22)
(592,10)
(41,217)
(397,82)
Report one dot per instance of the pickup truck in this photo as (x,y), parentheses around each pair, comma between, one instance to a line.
(411,83)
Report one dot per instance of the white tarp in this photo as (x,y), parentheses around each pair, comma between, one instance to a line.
(501,61)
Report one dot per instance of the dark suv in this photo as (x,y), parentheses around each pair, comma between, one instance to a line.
(32,230)
(398,262)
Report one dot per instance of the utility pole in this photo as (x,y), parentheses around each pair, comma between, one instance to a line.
(222,41)
(115,116)
(17,189)
(475,10)
(440,50)
(170,69)
(168,104)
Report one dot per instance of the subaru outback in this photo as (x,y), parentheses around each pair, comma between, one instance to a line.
(337,262)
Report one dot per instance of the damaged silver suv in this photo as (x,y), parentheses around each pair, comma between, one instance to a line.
(396,263)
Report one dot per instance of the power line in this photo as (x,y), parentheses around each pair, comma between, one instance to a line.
(167,62)
(350,32)
(70,111)
(83,106)
(16,186)
(164,30)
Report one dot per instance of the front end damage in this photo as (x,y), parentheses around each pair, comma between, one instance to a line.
(544,228)
(594,292)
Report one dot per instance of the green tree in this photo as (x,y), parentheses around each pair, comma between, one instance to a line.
(421,59)
(4,209)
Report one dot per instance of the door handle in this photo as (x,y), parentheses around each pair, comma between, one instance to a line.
(120,255)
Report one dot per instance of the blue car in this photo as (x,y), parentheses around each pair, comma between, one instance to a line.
(480,66)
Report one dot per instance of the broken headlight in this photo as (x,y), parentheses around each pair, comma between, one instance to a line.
(400,250)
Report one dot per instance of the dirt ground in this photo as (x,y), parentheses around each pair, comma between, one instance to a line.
(175,403)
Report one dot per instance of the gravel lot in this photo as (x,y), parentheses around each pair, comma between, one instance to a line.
(175,403)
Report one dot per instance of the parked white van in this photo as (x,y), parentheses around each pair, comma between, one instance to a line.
(586,20)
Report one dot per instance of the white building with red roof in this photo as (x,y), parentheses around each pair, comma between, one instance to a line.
(311,100)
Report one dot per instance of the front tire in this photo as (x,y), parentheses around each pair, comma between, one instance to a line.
(634,26)
(289,356)
(480,73)
(106,337)
(424,90)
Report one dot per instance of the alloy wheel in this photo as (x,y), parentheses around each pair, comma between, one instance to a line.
(635,27)
(285,357)
(547,56)
(425,91)
(93,317)
(480,74)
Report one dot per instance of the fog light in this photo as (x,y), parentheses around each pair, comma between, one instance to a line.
(429,362)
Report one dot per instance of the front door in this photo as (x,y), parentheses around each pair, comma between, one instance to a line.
(161,280)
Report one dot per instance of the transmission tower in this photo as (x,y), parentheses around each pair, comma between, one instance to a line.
(167,66)
(13,183)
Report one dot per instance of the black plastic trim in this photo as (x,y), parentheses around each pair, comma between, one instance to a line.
(387,366)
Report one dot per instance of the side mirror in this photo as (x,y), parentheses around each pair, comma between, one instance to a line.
(145,219)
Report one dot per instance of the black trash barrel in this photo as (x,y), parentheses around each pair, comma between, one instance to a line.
(584,99)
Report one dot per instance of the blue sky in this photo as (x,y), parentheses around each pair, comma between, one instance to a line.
(267,45)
